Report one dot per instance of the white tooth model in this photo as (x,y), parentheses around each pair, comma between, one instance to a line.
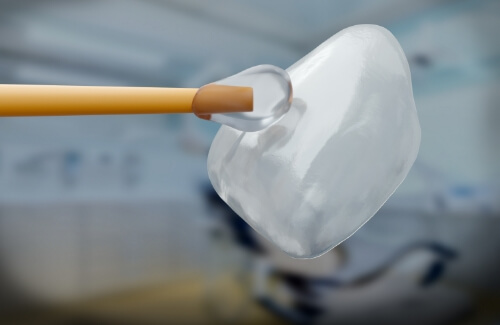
(309,181)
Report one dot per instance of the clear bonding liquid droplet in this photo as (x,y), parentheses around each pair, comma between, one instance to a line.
(272,98)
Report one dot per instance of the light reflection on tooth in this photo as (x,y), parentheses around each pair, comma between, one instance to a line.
(312,179)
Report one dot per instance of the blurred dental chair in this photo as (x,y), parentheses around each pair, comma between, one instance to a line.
(356,282)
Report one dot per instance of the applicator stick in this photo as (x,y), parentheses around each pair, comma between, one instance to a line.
(38,100)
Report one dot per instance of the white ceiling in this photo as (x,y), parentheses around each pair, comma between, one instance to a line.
(174,43)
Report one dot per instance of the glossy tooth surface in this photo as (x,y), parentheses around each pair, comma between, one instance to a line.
(312,179)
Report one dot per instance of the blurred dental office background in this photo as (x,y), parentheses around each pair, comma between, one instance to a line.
(112,220)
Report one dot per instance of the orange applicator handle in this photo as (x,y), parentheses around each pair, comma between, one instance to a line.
(35,100)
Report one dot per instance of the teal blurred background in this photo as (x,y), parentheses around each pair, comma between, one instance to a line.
(112,219)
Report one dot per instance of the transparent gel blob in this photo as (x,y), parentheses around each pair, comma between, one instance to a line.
(310,180)
(272,98)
